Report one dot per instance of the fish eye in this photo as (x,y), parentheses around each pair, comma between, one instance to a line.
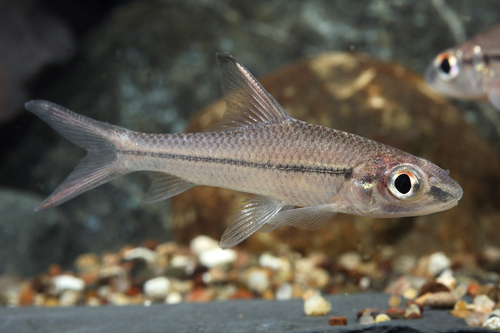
(404,182)
(447,66)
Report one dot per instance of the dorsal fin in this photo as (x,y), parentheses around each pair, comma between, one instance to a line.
(247,102)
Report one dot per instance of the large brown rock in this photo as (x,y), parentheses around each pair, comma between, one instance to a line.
(385,102)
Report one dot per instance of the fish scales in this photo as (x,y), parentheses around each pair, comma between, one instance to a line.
(257,148)
(286,160)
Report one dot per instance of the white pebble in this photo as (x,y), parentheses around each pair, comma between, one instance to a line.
(258,281)
(381,318)
(269,261)
(217,257)
(284,292)
(493,323)
(200,244)
(68,282)
(157,288)
(366,319)
(316,306)
(141,253)
(438,262)
(183,262)
(69,298)
(350,260)
(483,304)
(495,313)
(173,298)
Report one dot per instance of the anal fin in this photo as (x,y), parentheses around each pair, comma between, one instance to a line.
(164,186)
(270,227)
(253,215)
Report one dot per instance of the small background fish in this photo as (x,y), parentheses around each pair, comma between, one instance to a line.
(470,71)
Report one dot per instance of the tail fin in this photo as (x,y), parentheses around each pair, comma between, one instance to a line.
(101,163)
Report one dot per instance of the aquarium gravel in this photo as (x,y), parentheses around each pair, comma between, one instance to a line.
(466,284)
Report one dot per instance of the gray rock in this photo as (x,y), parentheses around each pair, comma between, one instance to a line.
(227,316)
(30,38)
(30,241)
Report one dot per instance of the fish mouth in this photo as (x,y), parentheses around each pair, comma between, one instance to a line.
(430,75)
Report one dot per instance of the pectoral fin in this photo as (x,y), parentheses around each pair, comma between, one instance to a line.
(494,94)
(253,215)
(308,218)
(164,186)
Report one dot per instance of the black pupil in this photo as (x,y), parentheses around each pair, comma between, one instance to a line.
(403,183)
(445,66)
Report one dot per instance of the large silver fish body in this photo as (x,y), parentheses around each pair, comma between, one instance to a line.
(470,71)
(257,148)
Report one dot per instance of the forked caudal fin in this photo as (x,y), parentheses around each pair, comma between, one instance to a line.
(101,163)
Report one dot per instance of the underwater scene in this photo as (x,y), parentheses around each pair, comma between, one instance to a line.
(224,165)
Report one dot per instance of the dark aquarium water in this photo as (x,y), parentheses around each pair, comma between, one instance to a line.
(149,66)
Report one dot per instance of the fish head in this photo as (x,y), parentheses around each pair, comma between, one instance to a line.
(402,186)
(452,76)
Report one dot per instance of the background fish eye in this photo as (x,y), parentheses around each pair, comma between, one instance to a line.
(404,182)
(447,66)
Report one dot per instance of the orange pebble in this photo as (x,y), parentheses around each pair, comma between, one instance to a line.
(472,289)
(337,321)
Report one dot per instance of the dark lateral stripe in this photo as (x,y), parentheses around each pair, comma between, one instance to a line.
(346,172)
(487,58)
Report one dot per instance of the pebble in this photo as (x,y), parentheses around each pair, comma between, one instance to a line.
(438,262)
(217,257)
(350,260)
(68,282)
(394,301)
(441,300)
(495,313)
(184,263)
(337,321)
(413,311)
(492,323)
(142,253)
(284,292)
(410,293)
(269,261)
(381,318)
(395,313)
(366,319)
(69,298)
(483,303)
(258,280)
(157,288)
(449,281)
(476,319)
(404,264)
(316,306)
(202,244)
(174,298)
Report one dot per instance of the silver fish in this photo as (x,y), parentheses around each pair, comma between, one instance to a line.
(470,71)
(257,148)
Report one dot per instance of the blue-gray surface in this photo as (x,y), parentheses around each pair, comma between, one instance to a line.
(227,316)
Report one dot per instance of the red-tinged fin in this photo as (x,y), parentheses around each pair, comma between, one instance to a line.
(101,163)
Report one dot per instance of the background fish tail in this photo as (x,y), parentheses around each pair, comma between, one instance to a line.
(100,165)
